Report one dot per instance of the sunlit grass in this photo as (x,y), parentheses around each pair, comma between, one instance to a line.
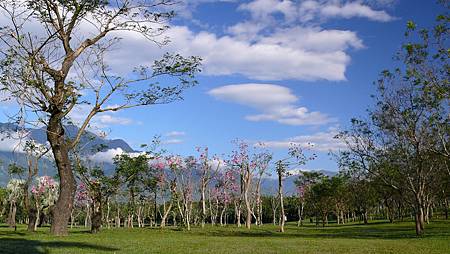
(355,238)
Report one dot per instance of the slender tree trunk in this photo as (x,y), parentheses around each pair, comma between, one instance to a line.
(108,211)
(63,207)
(300,215)
(446,208)
(118,217)
(38,216)
(366,216)
(203,199)
(280,194)
(248,218)
(165,215)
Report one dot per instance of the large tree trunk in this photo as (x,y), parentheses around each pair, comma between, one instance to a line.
(63,207)
(96,215)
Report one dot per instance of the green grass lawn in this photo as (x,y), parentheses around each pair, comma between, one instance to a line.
(373,238)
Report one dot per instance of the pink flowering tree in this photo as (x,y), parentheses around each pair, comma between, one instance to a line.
(183,185)
(208,171)
(45,193)
(259,164)
(223,192)
(82,202)
(240,164)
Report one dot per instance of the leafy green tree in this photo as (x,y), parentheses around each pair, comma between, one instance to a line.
(131,171)
(405,140)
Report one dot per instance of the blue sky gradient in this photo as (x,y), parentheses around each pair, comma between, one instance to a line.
(202,119)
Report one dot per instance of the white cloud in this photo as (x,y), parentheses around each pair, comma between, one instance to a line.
(262,48)
(320,141)
(175,134)
(13,141)
(172,141)
(354,9)
(309,10)
(268,58)
(102,120)
(217,164)
(298,171)
(277,103)
(108,155)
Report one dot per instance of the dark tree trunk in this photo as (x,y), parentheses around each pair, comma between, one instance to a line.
(96,215)
(63,207)
(32,217)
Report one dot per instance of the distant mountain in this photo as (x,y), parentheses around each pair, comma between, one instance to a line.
(90,142)
(269,186)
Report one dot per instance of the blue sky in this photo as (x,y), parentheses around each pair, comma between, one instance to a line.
(274,71)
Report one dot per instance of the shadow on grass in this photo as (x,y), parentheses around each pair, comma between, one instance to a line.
(354,231)
(19,245)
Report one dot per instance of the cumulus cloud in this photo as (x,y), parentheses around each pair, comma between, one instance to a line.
(320,141)
(108,155)
(276,103)
(315,10)
(272,57)
(261,48)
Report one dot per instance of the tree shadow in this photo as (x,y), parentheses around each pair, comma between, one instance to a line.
(352,231)
(19,246)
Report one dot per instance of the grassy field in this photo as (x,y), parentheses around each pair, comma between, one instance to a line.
(376,237)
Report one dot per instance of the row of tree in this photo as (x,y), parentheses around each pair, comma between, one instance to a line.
(50,65)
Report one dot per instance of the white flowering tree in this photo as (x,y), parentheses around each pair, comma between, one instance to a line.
(15,192)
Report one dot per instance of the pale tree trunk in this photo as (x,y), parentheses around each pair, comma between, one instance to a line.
(247,181)
(38,216)
(12,214)
(108,211)
(203,201)
(258,203)
(300,215)
(280,195)
(237,209)
(165,215)
(87,219)
(221,215)
(118,217)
